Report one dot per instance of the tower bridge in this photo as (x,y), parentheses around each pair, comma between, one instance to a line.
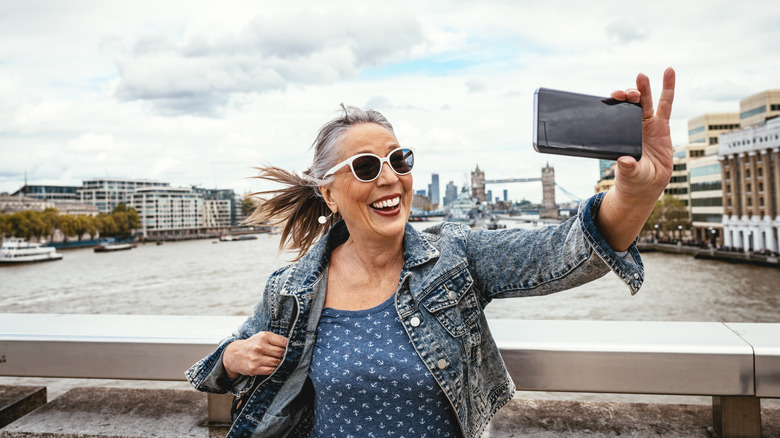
(549,208)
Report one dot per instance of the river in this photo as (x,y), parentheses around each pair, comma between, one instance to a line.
(202,277)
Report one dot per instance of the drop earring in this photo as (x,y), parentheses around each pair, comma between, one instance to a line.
(323,219)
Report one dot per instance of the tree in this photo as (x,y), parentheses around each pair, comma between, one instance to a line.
(248,205)
(68,224)
(5,228)
(669,213)
(106,225)
(84,225)
(125,221)
(51,218)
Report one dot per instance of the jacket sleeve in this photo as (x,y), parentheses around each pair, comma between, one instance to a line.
(522,262)
(209,373)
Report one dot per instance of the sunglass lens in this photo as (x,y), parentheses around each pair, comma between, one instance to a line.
(366,168)
(402,161)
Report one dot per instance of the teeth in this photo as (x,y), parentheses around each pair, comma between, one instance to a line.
(387,203)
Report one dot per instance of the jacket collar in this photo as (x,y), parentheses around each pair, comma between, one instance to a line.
(417,251)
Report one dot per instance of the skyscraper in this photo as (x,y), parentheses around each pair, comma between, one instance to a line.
(433,189)
(450,193)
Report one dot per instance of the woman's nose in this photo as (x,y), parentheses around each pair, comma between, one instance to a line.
(387,175)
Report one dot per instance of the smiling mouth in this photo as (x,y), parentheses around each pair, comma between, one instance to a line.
(387,204)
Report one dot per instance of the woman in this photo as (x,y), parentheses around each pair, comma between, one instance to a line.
(379,330)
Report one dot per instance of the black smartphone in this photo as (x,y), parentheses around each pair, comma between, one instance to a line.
(582,125)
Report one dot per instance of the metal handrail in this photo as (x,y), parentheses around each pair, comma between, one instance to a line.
(733,362)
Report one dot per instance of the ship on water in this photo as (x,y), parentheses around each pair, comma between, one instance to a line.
(16,251)
(468,210)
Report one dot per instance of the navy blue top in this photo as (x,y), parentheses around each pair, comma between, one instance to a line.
(369,381)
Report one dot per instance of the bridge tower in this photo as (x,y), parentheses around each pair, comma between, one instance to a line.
(478,185)
(549,209)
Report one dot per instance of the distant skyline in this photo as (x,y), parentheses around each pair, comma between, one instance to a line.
(197,93)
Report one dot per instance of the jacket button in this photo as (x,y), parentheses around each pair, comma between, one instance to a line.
(415,321)
(636,275)
(442,364)
(452,295)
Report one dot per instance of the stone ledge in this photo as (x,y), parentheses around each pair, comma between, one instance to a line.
(17,401)
(555,418)
(119,413)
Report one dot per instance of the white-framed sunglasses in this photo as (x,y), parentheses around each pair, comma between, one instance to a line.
(367,167)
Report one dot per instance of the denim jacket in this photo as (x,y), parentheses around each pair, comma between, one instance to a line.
(450,274)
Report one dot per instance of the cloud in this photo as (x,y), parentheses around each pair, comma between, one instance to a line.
(91,143)
(200,74)
(476,86)
(379,103)
(626,31)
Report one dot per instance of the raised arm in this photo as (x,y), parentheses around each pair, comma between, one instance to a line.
(639,184)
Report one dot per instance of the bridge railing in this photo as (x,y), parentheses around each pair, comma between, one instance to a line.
(735,363)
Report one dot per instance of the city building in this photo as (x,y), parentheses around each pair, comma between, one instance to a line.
(420,201)
(506,195)
(107,193)
(706,197)
(62,198)
(706,128)
(76,208)
(489,196)
(679,185)
(167,210)
(221,207)
(750,161)
(759,107)
(433,189)
(48,192)
(13,204)
(606,176)
(450,193)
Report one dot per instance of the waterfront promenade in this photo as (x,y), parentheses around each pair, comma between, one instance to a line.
(733,256)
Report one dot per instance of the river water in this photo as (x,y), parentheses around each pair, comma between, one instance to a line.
(202,277)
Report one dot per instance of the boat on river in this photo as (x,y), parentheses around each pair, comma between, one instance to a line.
(232,238)
(112,245)
(16,251)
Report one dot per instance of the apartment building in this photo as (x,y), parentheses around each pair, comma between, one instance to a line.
(107,193)
(167,209)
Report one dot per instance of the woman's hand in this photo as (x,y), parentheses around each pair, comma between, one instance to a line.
(647,178)
(639,184)
(256,356)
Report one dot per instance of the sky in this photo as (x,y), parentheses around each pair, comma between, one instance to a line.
(199,93)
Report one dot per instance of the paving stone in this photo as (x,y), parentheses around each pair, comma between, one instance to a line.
(118,413)
(16,401)
(555,418)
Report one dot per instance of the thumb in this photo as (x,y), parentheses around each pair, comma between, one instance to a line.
(627,166)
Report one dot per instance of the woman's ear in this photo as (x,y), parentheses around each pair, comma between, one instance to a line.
(327,196)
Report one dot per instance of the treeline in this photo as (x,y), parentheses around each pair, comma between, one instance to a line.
(43,224)
(668,215)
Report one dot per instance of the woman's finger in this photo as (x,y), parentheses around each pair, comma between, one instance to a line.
(646,97)
(667,95)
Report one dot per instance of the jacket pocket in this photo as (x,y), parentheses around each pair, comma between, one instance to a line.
(453,303)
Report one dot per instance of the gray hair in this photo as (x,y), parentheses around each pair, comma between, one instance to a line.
(299,204)
(327,144)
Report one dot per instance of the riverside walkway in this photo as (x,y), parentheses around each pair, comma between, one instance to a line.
(736,364)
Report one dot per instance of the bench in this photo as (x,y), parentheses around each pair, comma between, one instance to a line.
(736,364)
